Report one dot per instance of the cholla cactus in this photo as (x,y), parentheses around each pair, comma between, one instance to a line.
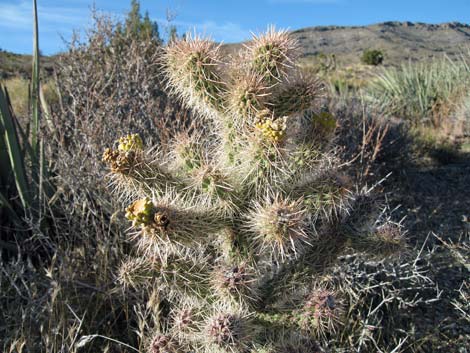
(226,219)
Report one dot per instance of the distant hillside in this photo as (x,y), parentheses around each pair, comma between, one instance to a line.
(12,64)
(401,41)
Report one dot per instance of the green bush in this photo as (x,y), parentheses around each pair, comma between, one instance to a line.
(372,57)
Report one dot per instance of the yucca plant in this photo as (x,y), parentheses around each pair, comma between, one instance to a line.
(23,169)
(235,227)
(422,93)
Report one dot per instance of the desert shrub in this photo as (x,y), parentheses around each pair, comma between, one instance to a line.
(67,295)
(422,93)
(112,79)
(386,295)
(61,280)
(372,57)
(235,227)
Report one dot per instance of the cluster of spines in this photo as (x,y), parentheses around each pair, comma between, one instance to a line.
(192,68)
(136,172)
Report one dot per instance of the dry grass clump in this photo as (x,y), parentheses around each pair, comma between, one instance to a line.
(18,89)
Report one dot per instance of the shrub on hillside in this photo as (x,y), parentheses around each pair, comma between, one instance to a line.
(372,57)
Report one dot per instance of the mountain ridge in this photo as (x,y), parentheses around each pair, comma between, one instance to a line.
(400,41)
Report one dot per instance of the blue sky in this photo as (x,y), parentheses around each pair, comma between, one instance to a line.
(227,21)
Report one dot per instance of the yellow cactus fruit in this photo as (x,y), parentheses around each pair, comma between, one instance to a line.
(130,142)
(141,212)
(273,129)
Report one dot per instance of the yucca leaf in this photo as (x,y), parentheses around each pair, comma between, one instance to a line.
(5,170)
(36,145)
(35,85)
(26,146)
(12,145)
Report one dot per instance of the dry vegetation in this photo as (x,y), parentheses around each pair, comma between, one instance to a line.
(61,275)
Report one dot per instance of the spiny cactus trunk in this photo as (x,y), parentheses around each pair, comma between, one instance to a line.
(238,215)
